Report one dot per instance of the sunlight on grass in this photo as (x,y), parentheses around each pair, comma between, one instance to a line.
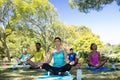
(27,74)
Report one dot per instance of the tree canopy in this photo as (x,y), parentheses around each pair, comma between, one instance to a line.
(25,22)
(87,5)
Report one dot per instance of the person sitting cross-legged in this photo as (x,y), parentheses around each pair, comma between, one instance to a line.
(61,63)
(95,58)
(72,56)
(22,60)
(39,56)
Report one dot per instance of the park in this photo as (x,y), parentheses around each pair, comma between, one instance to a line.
(78,23)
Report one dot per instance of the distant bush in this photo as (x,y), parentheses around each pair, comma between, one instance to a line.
(114,57)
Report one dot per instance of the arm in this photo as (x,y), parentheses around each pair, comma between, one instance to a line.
(30,57)
(66,57)
(50,58)
(45,56)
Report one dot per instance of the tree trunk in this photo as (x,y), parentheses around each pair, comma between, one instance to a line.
(7,51)
(6,47)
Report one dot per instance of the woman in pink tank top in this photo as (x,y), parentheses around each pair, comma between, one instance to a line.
(94,57)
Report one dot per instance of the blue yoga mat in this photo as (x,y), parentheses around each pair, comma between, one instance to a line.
(101,69)
(54,77)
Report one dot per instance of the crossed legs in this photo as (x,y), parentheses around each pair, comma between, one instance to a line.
(99,65)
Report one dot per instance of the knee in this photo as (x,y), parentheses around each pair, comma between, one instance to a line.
(28,61)
(69,66)
(45,65)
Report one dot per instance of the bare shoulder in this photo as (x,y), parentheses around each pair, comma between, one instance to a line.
(51,52)
(90,53)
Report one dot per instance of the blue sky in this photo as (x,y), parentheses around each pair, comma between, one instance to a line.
(105,23)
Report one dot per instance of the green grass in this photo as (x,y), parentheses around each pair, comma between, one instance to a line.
(27,74)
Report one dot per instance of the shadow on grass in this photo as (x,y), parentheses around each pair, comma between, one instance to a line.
(28,74)
(88,75)
(20,74)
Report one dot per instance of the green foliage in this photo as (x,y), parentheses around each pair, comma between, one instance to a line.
(39,15)
(1,2)
(83,56)
(87,5)
(6,12)
(2,53)
(85,39)
(116,49)
(113,60)
(28,21)
(22,37)
(114,57)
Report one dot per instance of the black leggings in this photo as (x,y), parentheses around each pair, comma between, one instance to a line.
(56,70)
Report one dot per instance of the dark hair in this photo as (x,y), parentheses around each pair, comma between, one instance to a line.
(57,38)
(38,44)
(92,45)
(71,49)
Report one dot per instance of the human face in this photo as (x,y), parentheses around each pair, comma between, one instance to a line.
(57,42)
(25,51)
(94,47)
(71,51)
(38,46)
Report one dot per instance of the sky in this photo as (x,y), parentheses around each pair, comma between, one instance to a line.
(105,23)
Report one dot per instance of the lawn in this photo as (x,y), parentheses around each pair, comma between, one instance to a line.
(27,74)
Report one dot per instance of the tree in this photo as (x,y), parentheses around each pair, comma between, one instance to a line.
(9,22)
(87,5)
(82,44)
(22,37)
(39,15)
(6,9)
(71,34)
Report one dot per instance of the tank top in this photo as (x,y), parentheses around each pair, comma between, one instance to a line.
(58,58)
(24,57)
(94,58)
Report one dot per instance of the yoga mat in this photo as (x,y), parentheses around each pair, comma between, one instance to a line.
(101,69)
(55,77)
(15,67)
